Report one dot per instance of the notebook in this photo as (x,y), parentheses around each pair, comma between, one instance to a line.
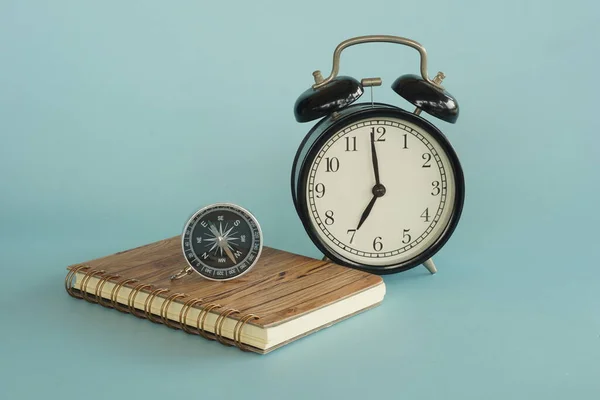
(284,297)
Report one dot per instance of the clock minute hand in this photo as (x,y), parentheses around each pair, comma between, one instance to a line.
(374,158)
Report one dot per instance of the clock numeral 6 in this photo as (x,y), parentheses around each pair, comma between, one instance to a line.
(436,188)
(332,164)
(329,217)
(320,189)
(406,236)
(377,244)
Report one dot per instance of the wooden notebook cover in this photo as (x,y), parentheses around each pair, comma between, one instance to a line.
(280,287)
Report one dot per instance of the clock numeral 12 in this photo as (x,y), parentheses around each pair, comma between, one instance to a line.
(381,132)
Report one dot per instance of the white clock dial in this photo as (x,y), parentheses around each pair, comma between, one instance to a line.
(402,223)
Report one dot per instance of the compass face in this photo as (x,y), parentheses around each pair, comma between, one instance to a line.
(222,241)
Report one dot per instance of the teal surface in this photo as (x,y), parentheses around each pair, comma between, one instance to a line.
(119,119)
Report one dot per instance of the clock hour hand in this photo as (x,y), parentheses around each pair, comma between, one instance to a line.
(367,211)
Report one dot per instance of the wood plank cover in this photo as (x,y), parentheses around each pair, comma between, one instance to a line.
(280,287)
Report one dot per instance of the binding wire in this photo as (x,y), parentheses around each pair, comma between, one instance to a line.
(148,304)
(219,325)
(165,307)
(100,287)
(69,280)
(237,331)
(84,284)
(205,308)
(114,295)
(200,325)
(184,313)
(133,295)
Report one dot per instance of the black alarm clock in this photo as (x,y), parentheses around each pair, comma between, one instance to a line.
(377,188)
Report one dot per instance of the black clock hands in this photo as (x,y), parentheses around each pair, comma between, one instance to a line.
(378,189)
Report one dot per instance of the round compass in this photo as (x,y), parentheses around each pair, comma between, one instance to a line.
(222,241)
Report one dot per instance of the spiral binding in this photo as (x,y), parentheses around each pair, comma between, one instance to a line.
(114,295)
(165,307)
(184,313)
(200,325)
(69,281)
(219,325)
(204,307)
(84,283)
(237,332)
(133,295)
(148,304)
(100,287)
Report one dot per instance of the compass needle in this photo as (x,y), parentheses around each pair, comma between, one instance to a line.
(229,253)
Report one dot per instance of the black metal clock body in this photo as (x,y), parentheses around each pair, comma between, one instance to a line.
(222,241)
(336,142)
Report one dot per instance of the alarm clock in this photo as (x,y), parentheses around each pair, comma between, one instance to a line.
(377,187)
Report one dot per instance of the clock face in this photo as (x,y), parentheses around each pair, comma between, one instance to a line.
(380,191)
(222,241)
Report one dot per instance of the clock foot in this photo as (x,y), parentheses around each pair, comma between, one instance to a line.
(325,259)
(430,266)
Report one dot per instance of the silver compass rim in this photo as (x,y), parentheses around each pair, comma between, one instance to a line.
(241,209)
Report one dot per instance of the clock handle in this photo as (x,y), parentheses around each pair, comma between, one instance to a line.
(320,82)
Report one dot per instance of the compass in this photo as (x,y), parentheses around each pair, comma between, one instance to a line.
(221,241)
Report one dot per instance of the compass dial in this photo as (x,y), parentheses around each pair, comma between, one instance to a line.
(222,241)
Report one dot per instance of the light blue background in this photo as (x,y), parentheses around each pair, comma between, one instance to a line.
(119,118)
